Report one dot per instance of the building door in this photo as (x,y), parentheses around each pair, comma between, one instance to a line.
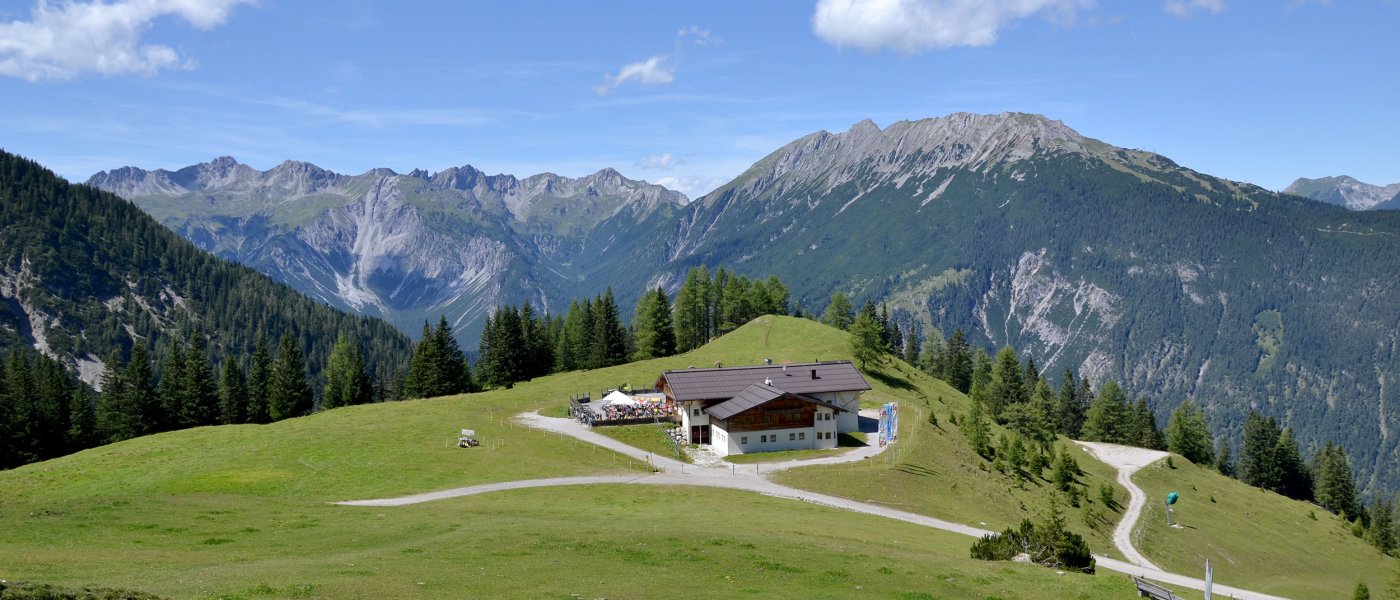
(700,434)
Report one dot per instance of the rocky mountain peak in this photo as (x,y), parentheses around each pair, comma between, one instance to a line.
(1344,190)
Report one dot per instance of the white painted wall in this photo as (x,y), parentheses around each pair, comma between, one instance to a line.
(849,421)
(802,438)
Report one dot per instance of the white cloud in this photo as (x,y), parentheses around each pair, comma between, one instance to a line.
(912,26)
(660,162)
(656,70)
(693,186)
(1185,8)
(699,35)
(64,40)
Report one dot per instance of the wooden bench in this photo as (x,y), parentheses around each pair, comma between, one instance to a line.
(1147,589)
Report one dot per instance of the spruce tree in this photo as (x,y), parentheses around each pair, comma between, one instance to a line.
(199,397)
(170,391)
(911,348)
(233,394)
(82,421)
(1258,456)
(1296,481)
(1109,418)
(289,394)
(1334,486)
(138,384)
(117,419)
(456,373)
(1225,460)
(839,312)
(867,340)
(1381,533)
(1189,435)
(692,311)
(977,430)
(1008,386)
(958,362)
(1145,433)
(610,339)
(652,326)
(1069,407)
(347,383)
(259,380)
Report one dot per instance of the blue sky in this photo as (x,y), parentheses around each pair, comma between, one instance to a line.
(688,94)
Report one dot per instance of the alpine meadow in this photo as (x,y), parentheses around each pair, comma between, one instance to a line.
(830,299)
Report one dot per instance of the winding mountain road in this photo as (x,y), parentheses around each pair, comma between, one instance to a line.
(754,478)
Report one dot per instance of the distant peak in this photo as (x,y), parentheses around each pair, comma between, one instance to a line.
(864,126)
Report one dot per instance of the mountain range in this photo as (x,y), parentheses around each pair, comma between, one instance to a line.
(1116,263)
(1347,191)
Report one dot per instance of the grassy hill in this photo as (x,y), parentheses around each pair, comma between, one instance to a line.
(242,511)
(1254,538)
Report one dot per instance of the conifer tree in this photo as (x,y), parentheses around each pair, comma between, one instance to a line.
(933,359)
(233,394)
(456,373)
(289,394)
(82,422)
(1224,459)
(609,344)
(1381,533)
(1145,433)
(1109,418)
(347,383)
(1296,481)
(653,330)
(1069,407)
(839,312)
(1008,386)
(1361,592)
(1258,456)
(1189,435)
(977,430)
(170,391)
(958,362)
(116,417)
(138,384)
(911,348)
(1334,486)
(259,378)
(981,378)
(199,398)
(867,340)
(692,311)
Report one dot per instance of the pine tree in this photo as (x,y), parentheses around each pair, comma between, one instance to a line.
(958,363)
(1008,386)
(199,398)
(116,417)
(138,384)
(867,340)
(233,394)
(911,348)
(1258,457)
(1334,486)
(1225,460)
(347,383)
(82,421)
(1145,433)
(1109,419)
(1361,592)
(170,391)
(259,380)
(455,372)
(1069,407)
(609,337)
(1031,375)
(977,430)
(691,312)
(1189,435)
(289,394)
(1296,481)
(839,312)
(1381,533)
(652,326)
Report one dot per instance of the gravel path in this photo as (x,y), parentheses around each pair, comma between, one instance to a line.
(1127,460)
(673,472)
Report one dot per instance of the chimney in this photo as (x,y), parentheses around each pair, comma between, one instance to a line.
(814,373)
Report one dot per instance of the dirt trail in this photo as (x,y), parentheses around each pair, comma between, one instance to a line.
(1127,460)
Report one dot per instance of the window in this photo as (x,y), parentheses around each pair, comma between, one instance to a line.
(801,435)
(763,439)
(743,439)
(695,411)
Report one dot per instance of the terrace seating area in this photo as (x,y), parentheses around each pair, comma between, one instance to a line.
(620,408)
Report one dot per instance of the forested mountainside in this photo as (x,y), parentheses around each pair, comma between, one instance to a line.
(1347,191)
(84,273)
(1117,263)
(404,247)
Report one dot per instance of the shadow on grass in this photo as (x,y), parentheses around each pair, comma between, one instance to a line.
(919,470)
(889,379)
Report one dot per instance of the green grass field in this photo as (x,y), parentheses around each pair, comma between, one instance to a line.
(243,511)
(932,470)
(646,437)
(1255,539)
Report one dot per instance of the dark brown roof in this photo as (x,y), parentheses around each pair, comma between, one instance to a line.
(757,394)
(725,383)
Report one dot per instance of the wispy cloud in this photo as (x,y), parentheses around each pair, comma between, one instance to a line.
(699,35)
(1187,8)
(66,40)
(657,70)
(660,162)
(913,26)
(382,118)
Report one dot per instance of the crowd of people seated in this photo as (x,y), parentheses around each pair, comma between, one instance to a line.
(587,415)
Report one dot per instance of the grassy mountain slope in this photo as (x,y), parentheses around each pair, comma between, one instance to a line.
(241,511)
(1255,539)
